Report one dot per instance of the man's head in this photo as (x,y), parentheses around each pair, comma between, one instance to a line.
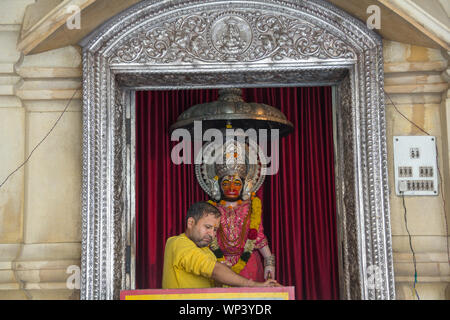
(202,222)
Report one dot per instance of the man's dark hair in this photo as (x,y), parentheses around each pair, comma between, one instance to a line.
(200,209)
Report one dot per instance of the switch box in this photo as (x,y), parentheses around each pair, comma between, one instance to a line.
(415,166)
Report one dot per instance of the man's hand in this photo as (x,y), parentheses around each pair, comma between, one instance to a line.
(225,275)
(268,283)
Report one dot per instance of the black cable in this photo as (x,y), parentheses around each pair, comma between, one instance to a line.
(404,205)
(31,153)
(411,246)
(439,172)
(442,193)
(445,210)
(405,116)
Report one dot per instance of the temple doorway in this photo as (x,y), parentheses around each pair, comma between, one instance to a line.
(298,202)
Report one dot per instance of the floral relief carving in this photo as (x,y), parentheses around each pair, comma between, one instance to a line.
(231,37)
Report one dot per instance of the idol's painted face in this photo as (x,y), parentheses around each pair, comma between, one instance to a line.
(204,230)
(231,187)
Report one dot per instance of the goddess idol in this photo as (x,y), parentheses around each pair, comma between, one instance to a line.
(231,172)
(232,184)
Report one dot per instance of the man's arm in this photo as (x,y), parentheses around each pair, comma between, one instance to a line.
(225,275)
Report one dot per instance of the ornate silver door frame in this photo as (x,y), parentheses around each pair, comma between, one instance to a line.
(190,44)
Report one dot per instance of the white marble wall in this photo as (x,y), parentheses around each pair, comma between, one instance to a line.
(40,213)
(40,203)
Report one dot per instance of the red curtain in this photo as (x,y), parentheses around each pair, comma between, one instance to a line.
(299,205)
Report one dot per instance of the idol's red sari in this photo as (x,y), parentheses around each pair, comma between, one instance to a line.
(232,236)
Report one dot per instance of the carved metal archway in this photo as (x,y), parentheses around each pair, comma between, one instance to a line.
(235,43)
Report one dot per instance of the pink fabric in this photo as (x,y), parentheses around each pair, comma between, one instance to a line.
(232,236)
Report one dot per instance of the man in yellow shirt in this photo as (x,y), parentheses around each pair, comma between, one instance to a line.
(188,261)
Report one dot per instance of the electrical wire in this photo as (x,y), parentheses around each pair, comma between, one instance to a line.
(403,197)
(411,246)
(445,210)
(405,116)
(45,137)
(442,196)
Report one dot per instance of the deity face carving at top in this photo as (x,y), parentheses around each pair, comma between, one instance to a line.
(231,187)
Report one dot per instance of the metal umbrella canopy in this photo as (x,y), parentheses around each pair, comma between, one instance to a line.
(231,109)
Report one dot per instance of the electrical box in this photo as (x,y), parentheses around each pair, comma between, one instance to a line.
(415,166)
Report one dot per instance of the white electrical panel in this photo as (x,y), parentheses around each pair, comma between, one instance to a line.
(415,166)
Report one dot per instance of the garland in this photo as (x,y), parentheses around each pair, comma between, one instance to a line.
(255,221)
